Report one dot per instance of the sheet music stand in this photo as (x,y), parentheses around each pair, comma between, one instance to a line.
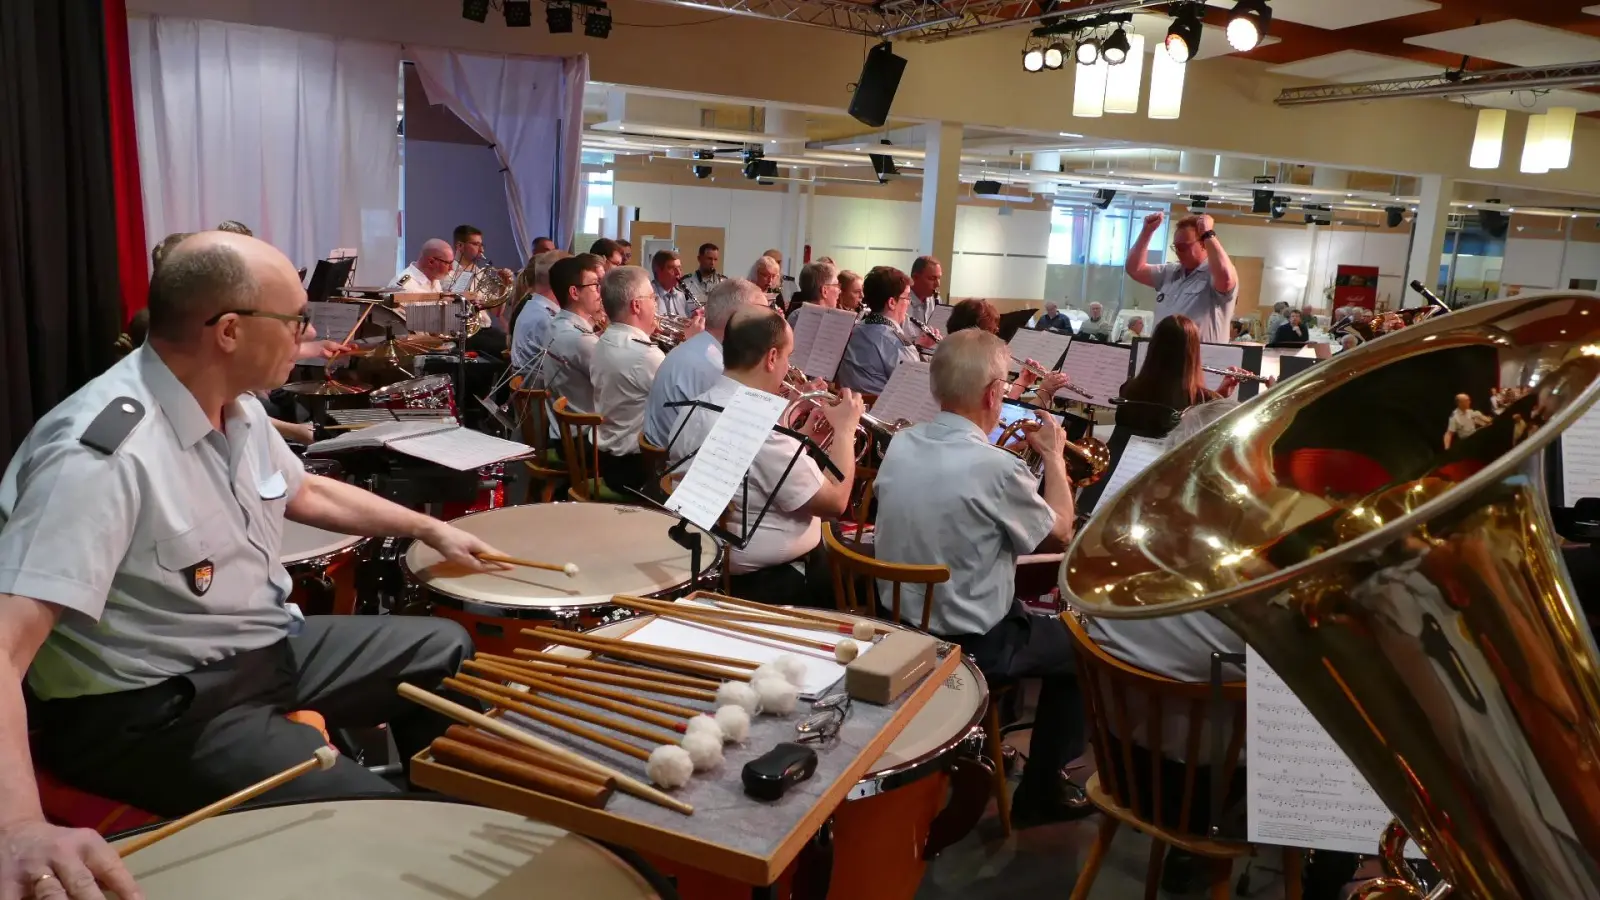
(328,276)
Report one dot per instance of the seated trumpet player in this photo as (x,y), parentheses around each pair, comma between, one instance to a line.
(624,369)
(877,346)
(782,562)
(946,496)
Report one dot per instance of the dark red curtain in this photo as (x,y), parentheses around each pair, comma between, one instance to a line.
(131,244)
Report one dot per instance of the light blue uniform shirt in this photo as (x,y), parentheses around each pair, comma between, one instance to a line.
(532,332)
(691,369)
(875,349)
(1192,294)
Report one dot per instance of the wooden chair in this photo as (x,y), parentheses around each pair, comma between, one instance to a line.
(655,460)
(861,497)
(855,587)
(1118,784)
(546,470)
(580,445)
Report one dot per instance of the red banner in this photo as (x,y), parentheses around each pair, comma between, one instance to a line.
(1356,286)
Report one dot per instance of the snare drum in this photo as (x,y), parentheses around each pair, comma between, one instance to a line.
(393,849)
(618,550)
(427,392)
(323,566)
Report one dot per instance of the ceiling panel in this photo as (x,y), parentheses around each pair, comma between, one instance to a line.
(1514,42)
(1351,66)
(1332,15)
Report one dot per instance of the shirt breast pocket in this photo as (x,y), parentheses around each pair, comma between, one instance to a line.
(192,560)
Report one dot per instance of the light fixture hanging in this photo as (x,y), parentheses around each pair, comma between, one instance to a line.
(1088,51)
(1487,141)
(1124,81)
(1166,85)
(1558,125)
(1534,161)
(1183,37)
(1089,90)
(1248,24)
(1032,59)
(1115,47)
(1055,55)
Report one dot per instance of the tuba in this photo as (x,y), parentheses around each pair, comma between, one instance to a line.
(1412,594)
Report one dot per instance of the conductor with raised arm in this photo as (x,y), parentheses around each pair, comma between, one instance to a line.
(1201,283)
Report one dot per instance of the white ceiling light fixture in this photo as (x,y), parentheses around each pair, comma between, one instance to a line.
(1489,138)
(1166,85)
(1117,47)
(1558,125)
(1033,60)
(1089,90)
(1248,24)
(1088,51)
(1055,55)
(1534,161)
(1124,81)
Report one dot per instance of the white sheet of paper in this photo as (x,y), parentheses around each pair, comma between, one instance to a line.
(1136,456)
(718,468)
(907,395)
(380,435)
(333,322)
(1302,791)
(1580,458)
(1043,347)
(820,336)
(822,672)
(1099,369)
(460,448)
(940,318)
(1219,356)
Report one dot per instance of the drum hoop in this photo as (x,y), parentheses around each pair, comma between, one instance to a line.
(933,761)
(322,560)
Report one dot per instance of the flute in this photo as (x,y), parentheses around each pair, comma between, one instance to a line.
(1040,373)
(1238,376)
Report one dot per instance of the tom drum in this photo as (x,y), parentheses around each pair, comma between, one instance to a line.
(618,550)
(385,849)
(323,566)
(427,392)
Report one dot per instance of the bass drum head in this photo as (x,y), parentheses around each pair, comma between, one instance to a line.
(618,550)
(302,542)
(381,850)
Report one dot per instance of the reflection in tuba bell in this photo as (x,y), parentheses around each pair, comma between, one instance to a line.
(1412,595)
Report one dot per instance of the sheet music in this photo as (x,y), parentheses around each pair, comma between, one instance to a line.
(380,435)
(1221,356)
(1580,458)
(1136,456)
(1043,347)
(820,336)
(940,318)
(908,394)
(1301,789)
(718,468)
(333,322)
(459,448)
(821,671)
(1099,369)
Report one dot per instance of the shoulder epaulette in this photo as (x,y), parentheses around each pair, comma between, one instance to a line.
(112,427)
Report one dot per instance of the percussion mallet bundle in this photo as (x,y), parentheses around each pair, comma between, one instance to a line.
(657,682)
(706,665)
(510,732)
(861,630)
(716,619)
(322,760)
(521,773)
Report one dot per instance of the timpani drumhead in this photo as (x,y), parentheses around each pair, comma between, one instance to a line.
(388,849)
(302,542)
(618,550)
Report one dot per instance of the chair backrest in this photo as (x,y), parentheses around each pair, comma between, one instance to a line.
(655,461)
(855,577)
(861,497)
(533,406)
(580,443)
(1113,691)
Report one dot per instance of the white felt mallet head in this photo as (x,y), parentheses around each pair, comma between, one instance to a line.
(326,757)
(767,670)
(703,723)
(792,667)
(737,693)
(776,696)
(734,722)
(846,650)
(669,766)
(863,630)
(704,747)
(571,569)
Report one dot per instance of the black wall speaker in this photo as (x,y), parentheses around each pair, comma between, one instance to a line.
(883,165)
(880,78)
(1103,197)
(1395,215)
(1261,202)
(1493,222)
(986,188)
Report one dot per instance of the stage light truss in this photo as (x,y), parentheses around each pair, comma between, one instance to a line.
(912,20)
(1449,84)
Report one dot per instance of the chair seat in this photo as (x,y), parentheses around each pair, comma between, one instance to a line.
(69,807)
(1198,846)
(605,494)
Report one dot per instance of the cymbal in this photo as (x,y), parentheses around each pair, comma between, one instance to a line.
(324,388)
(398,348)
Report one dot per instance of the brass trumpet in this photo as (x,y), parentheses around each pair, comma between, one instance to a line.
(804,405)
(670,330)
(1087,460)
(1237,376)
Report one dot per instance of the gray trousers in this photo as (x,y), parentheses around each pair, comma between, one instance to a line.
(176,746)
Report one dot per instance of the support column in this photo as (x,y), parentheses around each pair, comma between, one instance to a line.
(941,184)
(1427,236)
(788,127)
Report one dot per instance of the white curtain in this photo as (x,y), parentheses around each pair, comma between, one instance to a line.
(292,134)
(530,109)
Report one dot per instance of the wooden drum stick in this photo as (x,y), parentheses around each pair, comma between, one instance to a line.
(515,700)
(554,721)
(725,600)
(484,741)
(542,660)
(649,656)
(512,733)
(583,691)
(727,615)
(643,683)
(712,659)
(711,618)
(322,760)
(569,569)
(519,773)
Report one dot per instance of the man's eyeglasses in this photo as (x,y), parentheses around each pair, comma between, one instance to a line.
(301,321)
(588,284)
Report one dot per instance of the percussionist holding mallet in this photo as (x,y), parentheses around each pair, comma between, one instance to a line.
(140,589)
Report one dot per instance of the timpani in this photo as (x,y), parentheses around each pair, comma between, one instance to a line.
(618,550)
(322,565)
(384,849)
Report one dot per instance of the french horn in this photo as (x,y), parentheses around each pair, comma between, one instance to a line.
(1087,460)
(1413,596)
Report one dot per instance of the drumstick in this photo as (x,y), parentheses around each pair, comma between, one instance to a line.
(322,760)
(512,733)
(711,619)
(571,569)
(546,718)
(626,651)
(728,614)
(725,600)
(692,655)
(519,773)
(553,686)
(513,699)
(543,660)
(463,734)
(671,690)
(509,672)
(359,322)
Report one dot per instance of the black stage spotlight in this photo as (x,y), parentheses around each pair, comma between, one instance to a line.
(519,13)
(1115,48)
(1088,52)
(1103,198)
(1033,60)
(1248,24)
(557,17)
(1280,205)
(1055,55)
(702,171)
(597,21)
(1198,202)
(883,164)
(1183,38)
(475,10)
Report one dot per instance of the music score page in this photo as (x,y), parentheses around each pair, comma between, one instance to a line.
(718,468)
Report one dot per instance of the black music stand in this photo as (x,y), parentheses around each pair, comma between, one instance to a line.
(329,275)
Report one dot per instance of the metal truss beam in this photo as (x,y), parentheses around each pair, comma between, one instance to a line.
(1448,84)
(915,20)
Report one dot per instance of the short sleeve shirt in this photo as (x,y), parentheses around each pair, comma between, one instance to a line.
(786,533)
(532,332)
(163,554)
(1192,294)
(572,343)
(625,365)
(874,350)
(688,371)
(946,496)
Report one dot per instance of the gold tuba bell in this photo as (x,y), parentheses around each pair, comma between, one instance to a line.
(1412,594)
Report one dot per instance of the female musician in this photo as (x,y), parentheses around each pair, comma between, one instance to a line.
(1171,375)
(974,313)
(877,346)
(850,292)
